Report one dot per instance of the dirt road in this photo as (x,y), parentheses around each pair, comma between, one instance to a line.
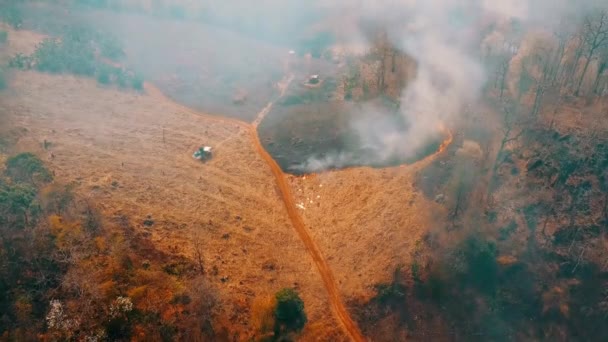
(327,276)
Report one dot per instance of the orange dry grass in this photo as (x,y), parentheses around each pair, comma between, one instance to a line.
(262,315)
(367,221)
(111,144)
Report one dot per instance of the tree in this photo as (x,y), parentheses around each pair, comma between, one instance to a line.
(594,36)
(27,167)
(289,313)
(502,69)
(15,203)
(509,134)
(542,63)
(601,68)
(197,244)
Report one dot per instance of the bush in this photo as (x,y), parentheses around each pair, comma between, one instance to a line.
(289,313)
(26,167)
(137,82)
(72,54)
(20,61)
(104,74)
(76,52)
(103,78)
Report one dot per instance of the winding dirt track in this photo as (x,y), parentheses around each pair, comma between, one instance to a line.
(329,281)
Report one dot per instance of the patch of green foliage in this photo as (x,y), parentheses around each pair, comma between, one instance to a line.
(3,37)
(27,168)
(20,61)
(15,204)
(65,56)
(81,51)
(289,313)
(104,74)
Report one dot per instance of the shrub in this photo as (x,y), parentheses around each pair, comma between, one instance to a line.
(20,61)
(289,313)
(76,53)
(137,82)
(26,167)
(104,74)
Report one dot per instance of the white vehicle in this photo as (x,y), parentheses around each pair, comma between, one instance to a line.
(204,153)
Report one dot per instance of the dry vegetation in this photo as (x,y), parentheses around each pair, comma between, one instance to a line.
(501,234)
(130,154)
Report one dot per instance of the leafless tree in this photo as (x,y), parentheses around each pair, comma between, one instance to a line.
(594,36)
(197,245)
(598,86)
(562,37)
(542,61)
(502,69)
(512,129)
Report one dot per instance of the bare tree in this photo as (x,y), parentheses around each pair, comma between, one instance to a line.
(542,61)
(570,70)
(511,130)
(502,64)
(601,68)
(594,36)
(562,37)
(197,245)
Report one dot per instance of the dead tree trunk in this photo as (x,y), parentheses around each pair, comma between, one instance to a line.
(580,81)
(594,36)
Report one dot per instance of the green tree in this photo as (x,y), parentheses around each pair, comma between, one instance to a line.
(289,313)
(15,204)
(27,167)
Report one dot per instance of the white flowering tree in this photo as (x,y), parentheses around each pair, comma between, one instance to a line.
(120,306)
(58,320)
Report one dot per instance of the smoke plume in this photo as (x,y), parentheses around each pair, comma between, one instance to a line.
(444,38)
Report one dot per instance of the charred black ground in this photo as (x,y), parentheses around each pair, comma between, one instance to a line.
(310,131)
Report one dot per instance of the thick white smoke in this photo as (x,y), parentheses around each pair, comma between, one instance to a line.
(443,37)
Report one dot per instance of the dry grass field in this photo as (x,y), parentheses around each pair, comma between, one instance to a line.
(131,154)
